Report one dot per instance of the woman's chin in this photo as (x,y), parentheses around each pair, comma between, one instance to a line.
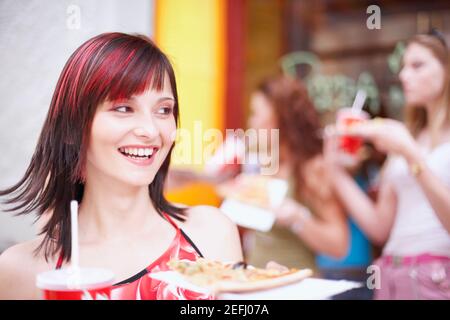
(138,181)
(413,104)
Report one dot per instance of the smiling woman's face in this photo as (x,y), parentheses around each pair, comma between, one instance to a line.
(130,139)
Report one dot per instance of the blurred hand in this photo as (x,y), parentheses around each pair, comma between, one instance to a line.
(330,153)
(387,135)
(179,178)
(290,213)
(276,266)
(228,172)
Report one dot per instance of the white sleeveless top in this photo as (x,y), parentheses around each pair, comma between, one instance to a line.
(416,228)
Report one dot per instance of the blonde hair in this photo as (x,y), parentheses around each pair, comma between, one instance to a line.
(416,118)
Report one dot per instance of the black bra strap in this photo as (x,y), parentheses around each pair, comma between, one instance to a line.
(133,278)
(191,243)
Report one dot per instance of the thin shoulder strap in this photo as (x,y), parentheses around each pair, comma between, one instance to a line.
(60,260)
(183,234)
(191,243)
(168,218)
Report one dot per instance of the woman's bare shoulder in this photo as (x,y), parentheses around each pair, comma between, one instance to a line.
(20,252)
(213,232)
(205,215)
(19,266)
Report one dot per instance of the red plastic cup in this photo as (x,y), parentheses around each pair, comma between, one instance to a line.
(65,284)
(349,146)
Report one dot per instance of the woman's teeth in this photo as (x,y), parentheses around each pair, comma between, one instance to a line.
(137,153)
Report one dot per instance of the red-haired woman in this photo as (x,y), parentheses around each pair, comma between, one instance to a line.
(311,221)
(411,217)
(107,142)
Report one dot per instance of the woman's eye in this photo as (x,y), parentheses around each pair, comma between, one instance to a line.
(417,65)
(165,110)
(122,109)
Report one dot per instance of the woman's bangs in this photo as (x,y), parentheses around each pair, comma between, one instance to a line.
(142,69)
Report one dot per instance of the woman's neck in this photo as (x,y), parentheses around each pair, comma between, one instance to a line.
(286,164)
(111,209)
(432,116)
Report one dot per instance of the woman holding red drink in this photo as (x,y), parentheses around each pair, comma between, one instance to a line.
(106,143)
(411,217)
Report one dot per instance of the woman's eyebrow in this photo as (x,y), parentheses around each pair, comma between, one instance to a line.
(164,98)
(133,98)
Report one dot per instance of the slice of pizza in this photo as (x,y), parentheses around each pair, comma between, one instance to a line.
(235,277)
(248,188)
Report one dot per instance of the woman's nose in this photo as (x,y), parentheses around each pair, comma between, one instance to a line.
(146,128)
(404,74)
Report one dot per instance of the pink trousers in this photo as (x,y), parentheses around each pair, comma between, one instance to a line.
(418,280)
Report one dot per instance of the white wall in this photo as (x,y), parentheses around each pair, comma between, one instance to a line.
(36,39)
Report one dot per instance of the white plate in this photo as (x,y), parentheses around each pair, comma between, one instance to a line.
(306,289)
(248,216)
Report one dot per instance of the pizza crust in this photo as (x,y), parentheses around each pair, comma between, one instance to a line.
(239,287)
(234,278)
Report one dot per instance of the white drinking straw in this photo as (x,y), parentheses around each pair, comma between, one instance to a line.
(74,232)
(359,101)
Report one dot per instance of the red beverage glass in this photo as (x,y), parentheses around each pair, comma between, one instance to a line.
(65,284)
(349,146)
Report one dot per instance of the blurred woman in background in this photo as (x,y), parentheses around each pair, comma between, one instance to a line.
(411,216)
(311,220)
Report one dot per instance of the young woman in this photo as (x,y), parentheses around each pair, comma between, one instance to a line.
(311,220)
(107,142)
(412,214)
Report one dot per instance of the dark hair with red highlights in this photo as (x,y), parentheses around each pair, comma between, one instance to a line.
(297,119)
(109,66)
